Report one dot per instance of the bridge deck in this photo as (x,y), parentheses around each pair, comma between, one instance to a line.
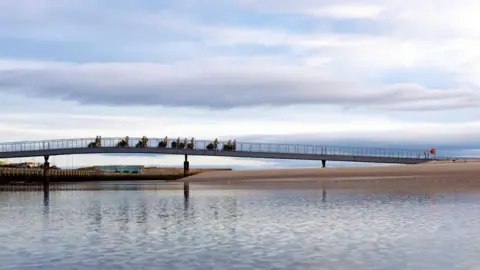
(247,150)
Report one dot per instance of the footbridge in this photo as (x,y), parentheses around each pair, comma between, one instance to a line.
(186,147)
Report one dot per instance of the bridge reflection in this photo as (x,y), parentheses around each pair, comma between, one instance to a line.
(46,202)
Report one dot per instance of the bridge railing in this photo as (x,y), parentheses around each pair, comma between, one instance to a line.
(241,146)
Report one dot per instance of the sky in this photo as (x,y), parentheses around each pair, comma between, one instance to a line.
(402,74)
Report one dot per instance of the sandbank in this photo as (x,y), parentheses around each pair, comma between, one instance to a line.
(460,170)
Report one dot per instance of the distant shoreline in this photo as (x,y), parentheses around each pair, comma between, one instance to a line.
(35,175)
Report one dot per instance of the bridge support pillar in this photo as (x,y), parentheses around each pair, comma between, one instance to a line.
(46,174)
(324,163)
(186,166)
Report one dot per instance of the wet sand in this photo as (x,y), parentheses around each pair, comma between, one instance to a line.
(456,173)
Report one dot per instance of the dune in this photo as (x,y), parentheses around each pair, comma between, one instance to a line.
(438,170)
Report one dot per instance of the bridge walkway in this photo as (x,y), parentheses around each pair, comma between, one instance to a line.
(243,149)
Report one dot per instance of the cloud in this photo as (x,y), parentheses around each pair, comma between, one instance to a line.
(80,121)
(346,11)
(219,83)
(297,124)
(318,65)
(369,72)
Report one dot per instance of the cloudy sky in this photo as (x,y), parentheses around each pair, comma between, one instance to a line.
(385,73)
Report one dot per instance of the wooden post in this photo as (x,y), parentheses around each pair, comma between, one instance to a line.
(324,163)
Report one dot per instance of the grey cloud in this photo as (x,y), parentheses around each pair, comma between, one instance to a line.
(218,84)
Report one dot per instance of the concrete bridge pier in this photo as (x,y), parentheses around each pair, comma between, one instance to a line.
(324,163)
(186,166)
(46,174)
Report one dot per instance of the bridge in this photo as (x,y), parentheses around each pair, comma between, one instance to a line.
(322,153)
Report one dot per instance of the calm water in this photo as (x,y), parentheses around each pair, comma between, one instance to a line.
(225,229)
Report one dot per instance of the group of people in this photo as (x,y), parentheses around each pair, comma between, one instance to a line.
(144,141)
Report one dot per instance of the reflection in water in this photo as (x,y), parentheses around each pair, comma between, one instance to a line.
(142,216)
(186,189)
(46,186)
(46,202)
(94,214)
(249,229)
(124,215)
(46,197)
(186,200)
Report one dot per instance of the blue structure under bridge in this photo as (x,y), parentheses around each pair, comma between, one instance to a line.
(121,168)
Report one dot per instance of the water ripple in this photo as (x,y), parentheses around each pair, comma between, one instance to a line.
(268,229)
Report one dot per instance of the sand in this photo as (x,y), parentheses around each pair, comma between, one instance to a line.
(162,171)
(437,170)
(427,179)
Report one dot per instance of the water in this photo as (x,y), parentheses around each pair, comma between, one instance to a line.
(238,229)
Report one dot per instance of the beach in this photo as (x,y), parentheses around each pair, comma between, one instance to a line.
(447,173)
